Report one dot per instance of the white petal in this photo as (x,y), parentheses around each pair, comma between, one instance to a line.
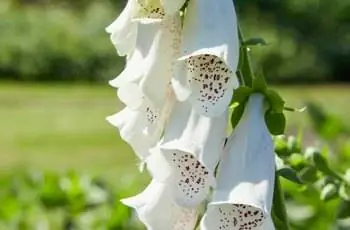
(268,224)
(159,62)
(157,210)
(192,145)
(204,35)
(131,95)
(131,125)
(171,7)
(245,179)
(212,84)
(136,61)
(123,31)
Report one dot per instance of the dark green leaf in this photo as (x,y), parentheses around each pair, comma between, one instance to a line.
(290,174)
(308,174)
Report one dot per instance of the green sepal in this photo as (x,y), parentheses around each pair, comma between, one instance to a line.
(240,97)
(329,192)
(290,174)
(236,115)
(276,122)
(259,83)
(254,42)
(275,100)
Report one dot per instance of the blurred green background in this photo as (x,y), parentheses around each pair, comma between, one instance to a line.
(63,167)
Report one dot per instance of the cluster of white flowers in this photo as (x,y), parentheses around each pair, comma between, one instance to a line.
(177,86)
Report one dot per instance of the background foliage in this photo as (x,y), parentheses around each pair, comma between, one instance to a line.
(61,40)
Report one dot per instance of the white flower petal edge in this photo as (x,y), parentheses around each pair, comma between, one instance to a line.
(159,62)
(140,124)
(156,209)
(245,179)
(210,55)
(123,30)
(131,125)
(191,146)
(134,69)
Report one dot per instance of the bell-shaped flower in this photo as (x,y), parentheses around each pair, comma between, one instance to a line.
(123,31)
(135,62)
(245,178)
(209,56)
(156,208)
(140,124)
(189,153)
(149,98)
(156,69)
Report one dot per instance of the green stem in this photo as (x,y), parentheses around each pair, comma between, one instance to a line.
(245,65)
(279,213)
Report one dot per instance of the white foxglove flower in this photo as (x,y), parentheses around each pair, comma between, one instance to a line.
(135,62)
(157,210)
(123,31)
(149,99)
(160,60)
(140,124)
(245,179)
(191,149)
(210,55)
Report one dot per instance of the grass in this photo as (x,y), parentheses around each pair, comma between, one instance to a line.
(60,127)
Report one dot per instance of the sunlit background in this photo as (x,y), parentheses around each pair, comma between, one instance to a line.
(63,167)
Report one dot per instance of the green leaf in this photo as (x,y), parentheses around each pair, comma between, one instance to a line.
(255,41)
(276,122)
(344,210)
(308,174)
(329,192)
(319,161)
(276,101)
(290,174)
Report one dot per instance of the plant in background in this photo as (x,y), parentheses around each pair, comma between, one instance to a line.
(188,67)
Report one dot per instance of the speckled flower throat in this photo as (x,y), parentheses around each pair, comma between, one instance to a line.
(179,85)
